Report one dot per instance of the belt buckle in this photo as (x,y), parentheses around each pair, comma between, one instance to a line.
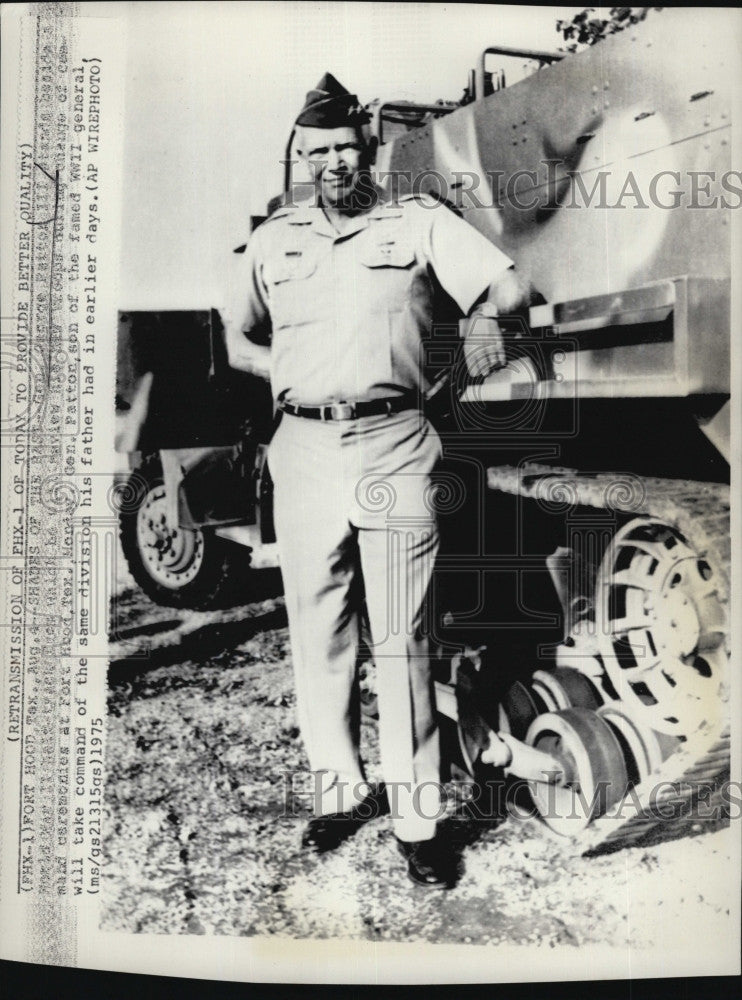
(341,411)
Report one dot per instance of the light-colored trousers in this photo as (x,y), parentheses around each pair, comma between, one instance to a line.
(354,515)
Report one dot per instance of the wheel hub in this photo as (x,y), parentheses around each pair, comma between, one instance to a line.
(677,624)
(172,556)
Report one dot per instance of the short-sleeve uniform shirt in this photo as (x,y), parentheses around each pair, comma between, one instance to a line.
(349,312)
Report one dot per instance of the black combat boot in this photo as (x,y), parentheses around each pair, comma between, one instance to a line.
(430,863)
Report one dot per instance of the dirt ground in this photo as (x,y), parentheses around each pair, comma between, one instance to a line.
(204,823)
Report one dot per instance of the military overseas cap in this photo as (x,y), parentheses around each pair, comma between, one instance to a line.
(330,105)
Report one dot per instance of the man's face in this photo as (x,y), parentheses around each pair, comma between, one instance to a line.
(335,156)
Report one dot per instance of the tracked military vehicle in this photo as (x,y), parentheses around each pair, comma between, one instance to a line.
(581,623)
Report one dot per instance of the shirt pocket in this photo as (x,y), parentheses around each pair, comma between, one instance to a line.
(388,253)
(287,279)
(389,265)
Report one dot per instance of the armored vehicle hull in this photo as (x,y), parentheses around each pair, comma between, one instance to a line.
(581,625)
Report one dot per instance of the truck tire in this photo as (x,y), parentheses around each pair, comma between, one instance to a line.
(182,568)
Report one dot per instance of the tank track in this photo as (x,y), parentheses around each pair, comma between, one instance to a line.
(700,511)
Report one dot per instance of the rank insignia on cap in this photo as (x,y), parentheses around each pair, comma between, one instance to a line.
(330,105)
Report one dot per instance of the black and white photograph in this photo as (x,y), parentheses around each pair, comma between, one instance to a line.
(373,460)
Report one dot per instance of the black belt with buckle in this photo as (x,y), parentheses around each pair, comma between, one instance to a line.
(351,411)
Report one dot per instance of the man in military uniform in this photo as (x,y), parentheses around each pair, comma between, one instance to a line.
(344,283)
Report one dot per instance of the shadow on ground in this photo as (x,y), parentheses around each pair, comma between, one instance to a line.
(201,644)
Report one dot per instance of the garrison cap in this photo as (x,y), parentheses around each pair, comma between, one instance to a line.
(330,105)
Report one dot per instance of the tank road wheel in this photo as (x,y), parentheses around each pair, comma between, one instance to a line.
(177,567)
(578,689)
(592,760)
(565,687)
(660,627)
(548,691)
(518,710)
(642,747)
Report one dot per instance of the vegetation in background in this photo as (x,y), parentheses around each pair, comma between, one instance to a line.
(584,30)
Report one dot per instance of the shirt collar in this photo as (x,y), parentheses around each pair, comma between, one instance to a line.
(304,212)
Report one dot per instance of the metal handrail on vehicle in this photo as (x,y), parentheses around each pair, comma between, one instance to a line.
(545,58)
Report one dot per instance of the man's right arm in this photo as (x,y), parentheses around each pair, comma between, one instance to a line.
(247,312)
(246,356)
